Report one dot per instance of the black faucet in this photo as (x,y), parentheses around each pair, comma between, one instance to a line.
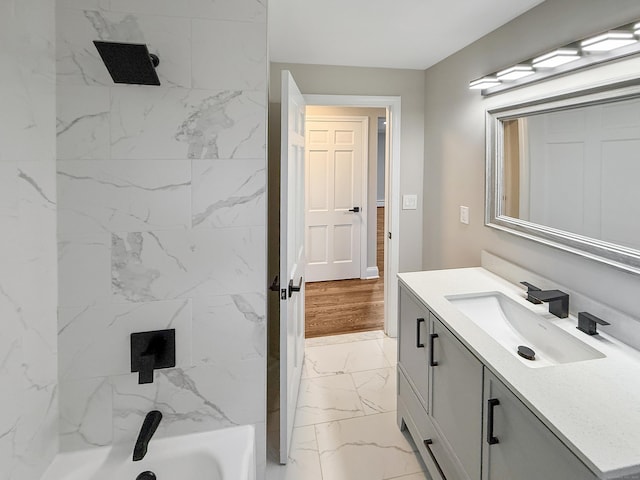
(149,426)
(558,301)
(587,323)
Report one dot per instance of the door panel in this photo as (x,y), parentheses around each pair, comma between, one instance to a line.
(456,399)
(336,158)
(525,448)
(292,257)
(413,349)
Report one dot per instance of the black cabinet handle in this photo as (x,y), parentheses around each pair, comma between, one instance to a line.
(293,288)
(491,403)
(354,209)
(432,337)
(427,443)
(419,344)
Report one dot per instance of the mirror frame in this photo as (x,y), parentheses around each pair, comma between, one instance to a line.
(618,256)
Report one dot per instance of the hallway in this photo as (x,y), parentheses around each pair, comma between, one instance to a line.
(347,306)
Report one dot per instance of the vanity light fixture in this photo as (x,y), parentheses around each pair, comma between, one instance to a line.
(618,43)
(515,72)
(608,41)
(556,58)
(484,82)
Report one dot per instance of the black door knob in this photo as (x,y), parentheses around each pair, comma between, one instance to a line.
(354,209)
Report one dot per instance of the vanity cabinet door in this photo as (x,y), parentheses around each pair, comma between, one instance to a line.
(518,445)
(413,342)
(456,400)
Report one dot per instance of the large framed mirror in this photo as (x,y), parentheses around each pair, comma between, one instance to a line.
(565,171)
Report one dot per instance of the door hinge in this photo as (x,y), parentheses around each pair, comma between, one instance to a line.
(389,235)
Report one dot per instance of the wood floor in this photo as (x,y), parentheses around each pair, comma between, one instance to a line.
(347,306)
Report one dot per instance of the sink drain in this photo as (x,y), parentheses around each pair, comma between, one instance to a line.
(148,475)
(526,352)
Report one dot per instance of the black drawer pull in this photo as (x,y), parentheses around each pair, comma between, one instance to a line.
(432,362)
(427,443)
(419,344)
(491,403)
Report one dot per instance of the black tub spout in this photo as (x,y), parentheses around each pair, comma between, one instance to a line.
(149,426)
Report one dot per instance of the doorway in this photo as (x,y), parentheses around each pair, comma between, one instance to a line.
(390,265)
(345,148)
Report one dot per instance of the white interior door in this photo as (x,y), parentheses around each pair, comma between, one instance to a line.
(336,153)
(584,169)
(292,257)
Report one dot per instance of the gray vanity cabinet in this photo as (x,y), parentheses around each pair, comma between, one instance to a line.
(522,446)
(456,400)
(413,344)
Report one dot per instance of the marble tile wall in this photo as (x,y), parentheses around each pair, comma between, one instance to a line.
(28,336)
(161,218)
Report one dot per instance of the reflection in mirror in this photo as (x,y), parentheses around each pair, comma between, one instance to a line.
(576,170)
(565,170)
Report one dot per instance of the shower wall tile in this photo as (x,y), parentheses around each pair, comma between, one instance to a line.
(28,340)
(86,409)
(192,400)
(237,62)
(27,96)
(94,340)
(161,222)
(115,195)
(229,328)
(197,124)
(83,4)
(242,10)
(228,193)
(82,122)
(78,61)
(84,270)
(149,266)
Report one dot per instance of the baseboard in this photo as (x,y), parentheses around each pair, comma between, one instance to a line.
(380,203)
(371,273)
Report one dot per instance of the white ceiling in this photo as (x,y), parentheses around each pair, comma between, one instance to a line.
(412,34)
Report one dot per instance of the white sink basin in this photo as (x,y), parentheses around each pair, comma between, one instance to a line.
(513,325)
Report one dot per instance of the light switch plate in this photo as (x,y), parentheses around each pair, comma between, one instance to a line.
(409,202)
(464,215)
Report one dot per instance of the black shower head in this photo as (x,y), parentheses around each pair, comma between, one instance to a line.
(129,63)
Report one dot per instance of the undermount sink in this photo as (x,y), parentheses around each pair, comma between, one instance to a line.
(513,325)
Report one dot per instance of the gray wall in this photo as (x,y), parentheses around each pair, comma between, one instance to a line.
(382,138)
(162,218)
(408,84)
(455,149)
(28,285)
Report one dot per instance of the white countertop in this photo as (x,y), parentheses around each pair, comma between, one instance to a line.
(593,406)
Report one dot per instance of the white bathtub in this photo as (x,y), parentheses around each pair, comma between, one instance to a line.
(227,454)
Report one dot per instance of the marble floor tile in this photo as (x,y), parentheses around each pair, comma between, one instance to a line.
(344,338)
(413,476)
(370,447)
(390,348)
(377,389)
(304,459)
(344,358)
(325,399)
